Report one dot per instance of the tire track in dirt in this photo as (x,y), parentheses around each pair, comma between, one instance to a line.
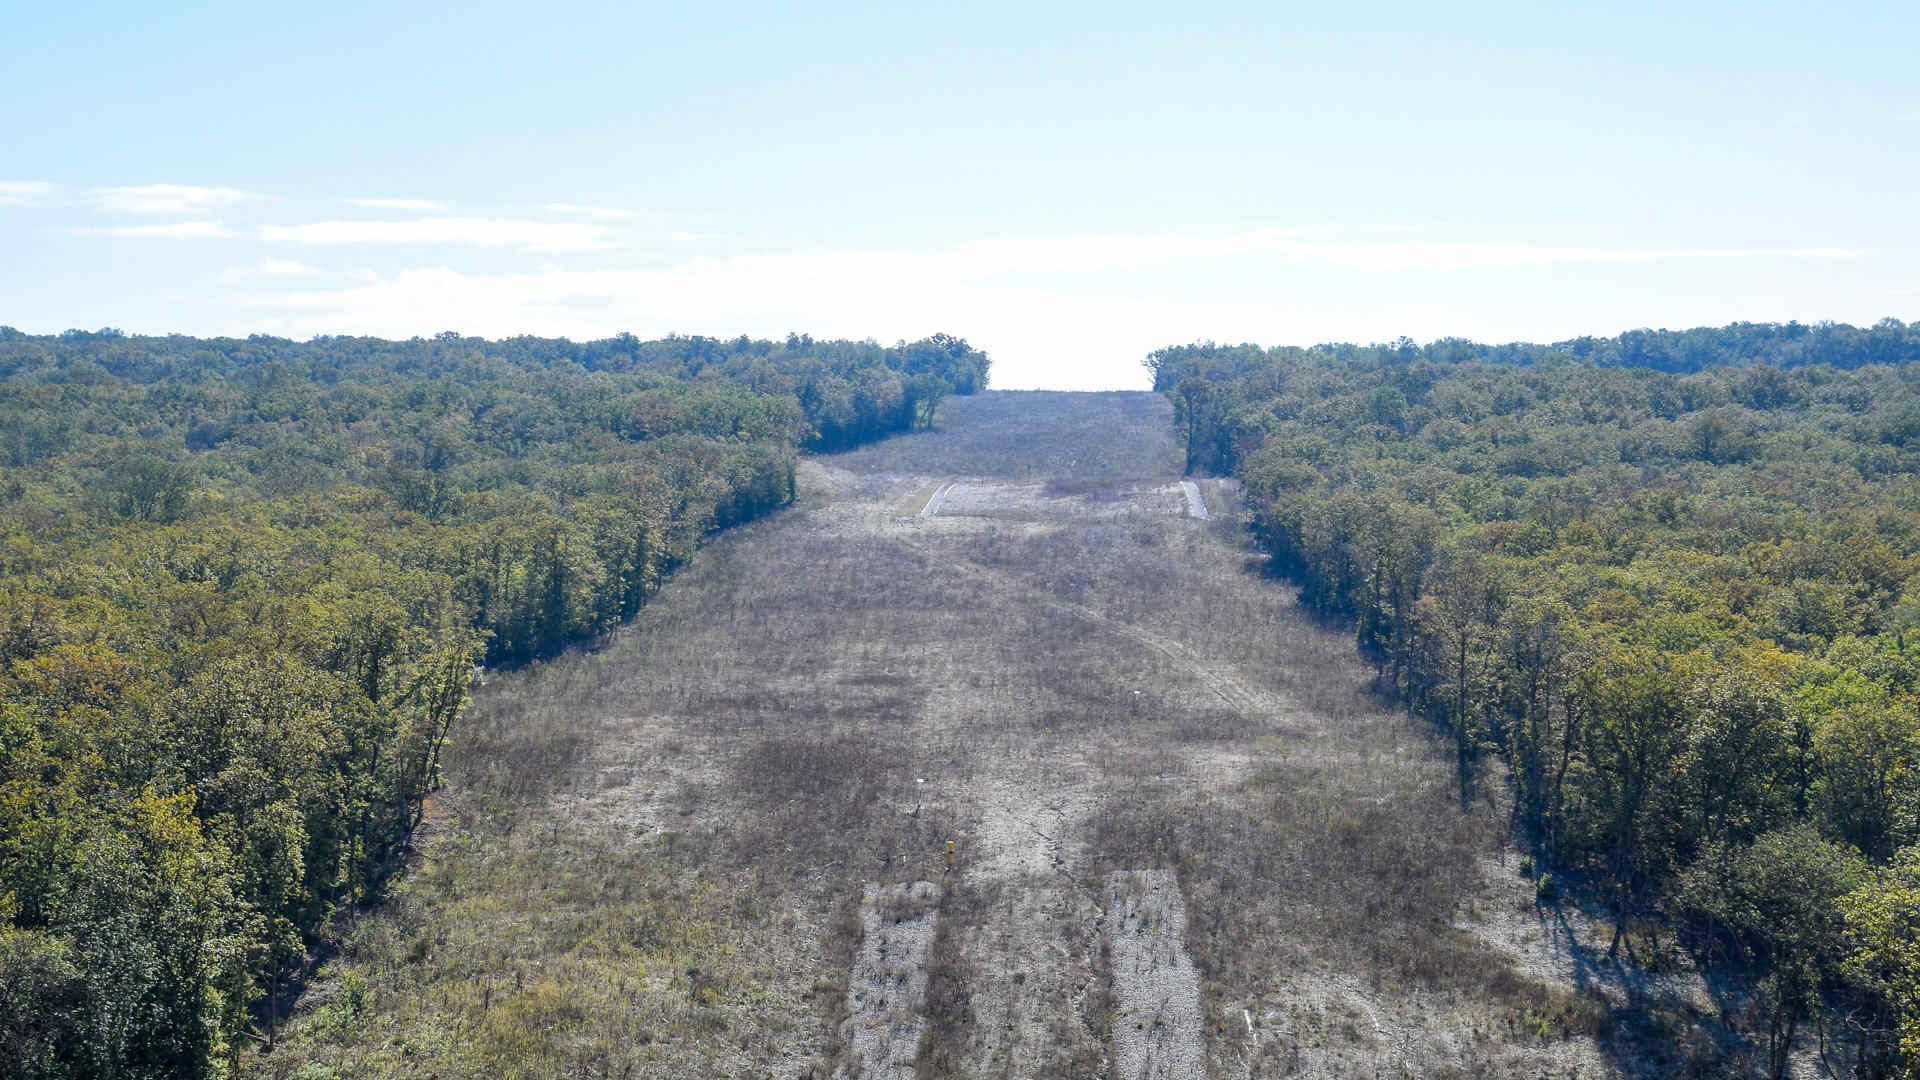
(1228,688)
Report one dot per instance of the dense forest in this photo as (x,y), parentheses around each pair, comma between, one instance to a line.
(1667,586)
(246,586)
(1680,352)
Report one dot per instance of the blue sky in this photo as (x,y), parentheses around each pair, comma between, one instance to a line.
(1067,186)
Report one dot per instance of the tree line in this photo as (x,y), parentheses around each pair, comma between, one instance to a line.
(1666,586)
(1680,352)
(246,584)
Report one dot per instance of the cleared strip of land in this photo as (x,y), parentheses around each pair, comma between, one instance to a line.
(649,858)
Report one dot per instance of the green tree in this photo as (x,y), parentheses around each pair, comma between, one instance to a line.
(1781,897)
(1882,919)
(1633,698)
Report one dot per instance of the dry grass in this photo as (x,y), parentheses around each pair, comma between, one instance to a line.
(649,857)
(951,974)
(1036,435)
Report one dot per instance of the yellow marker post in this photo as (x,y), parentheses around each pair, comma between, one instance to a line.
(949,856)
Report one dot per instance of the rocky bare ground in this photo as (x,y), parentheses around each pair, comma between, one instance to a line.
(887,983)
(1156,990)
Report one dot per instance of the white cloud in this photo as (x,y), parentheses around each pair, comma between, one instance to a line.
(269,267)
(604,213)
(168,198)
(1474,256)
(23,192)
(542,237)
(995,256)
(649,218)
(857,294)
(1038,336)
(1085,254)
(1059,332)
(396,204)
(183,230)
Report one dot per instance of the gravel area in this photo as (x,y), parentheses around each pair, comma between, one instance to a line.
(887,986)
(1156,990)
